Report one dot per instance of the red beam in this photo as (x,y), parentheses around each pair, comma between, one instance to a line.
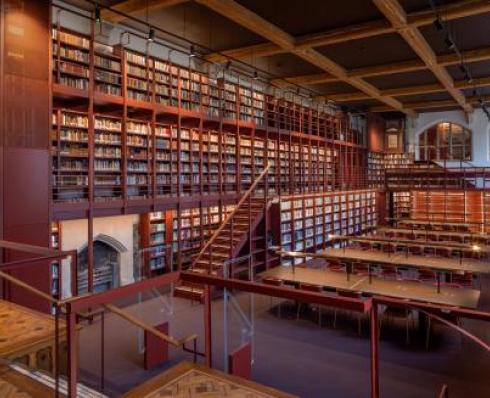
(83,302)
(374,345)
(277,291)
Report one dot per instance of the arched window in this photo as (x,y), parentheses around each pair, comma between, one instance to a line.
(445,141)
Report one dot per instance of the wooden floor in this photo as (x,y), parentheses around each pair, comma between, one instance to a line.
(188,380)
(386,287)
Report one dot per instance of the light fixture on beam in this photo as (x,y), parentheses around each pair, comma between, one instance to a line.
(256,75)
(192,54)
(439,24)
(97,13)
(151,35)
(449,43)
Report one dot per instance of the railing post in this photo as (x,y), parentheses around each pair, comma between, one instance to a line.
(71,339)
(374,350)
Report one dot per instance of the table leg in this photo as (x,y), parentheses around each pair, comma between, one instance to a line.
(370,275)
(438,282)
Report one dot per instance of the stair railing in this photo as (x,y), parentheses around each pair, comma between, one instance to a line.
(228,218)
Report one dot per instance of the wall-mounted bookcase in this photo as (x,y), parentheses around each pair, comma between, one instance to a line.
(402,204)
(308,221)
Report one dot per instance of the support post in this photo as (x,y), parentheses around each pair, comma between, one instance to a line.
(207,326)
(71,339)
(374,350)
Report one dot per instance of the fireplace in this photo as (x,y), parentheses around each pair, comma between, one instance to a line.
(107,264)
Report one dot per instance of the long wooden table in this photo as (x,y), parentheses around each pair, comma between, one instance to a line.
(410,290)
(428,223)
(187,380)
(376,239)
(397,259)
(469,236)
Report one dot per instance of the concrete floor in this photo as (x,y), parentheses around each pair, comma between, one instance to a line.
(298,356)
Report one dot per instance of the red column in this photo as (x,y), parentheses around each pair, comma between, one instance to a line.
(207,326)
(374,351)
(72,346)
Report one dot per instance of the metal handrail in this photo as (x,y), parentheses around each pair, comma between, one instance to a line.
(444,392)
(230,216)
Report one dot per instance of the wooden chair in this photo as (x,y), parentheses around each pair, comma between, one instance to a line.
(405,314)
(415,250)
(361,269)
(311,288)
(443,252)
(349,294)
(336,266)
(464,280)
(426,275)
(365,245)
(387,248)
(274,282)
(389,272)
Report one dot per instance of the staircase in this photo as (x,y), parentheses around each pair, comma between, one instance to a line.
(227,241)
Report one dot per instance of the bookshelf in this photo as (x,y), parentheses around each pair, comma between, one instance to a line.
(398,160)
(107,69)
(107,158)
(55,266)
(307,221)
(376,169)
(71,59)
(174,236)
(69,152)
(402,204)
(138,158)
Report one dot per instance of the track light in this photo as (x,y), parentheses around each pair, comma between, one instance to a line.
(228,65)
(97,13)
(449,43)
(439,24)
(192,54)
(151,35)
(462,68)
(256,75)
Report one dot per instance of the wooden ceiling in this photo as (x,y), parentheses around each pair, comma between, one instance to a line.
(382,55)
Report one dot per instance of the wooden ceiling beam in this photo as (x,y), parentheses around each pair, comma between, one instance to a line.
(248,19)
(458,10)
(134,7)
(480,54)
(409,90)
(418,105)
(394,12)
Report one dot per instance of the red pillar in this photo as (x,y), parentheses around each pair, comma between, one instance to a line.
(72,345)
(207,326)
(374,351)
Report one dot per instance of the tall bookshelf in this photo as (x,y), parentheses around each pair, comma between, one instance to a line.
(307,222)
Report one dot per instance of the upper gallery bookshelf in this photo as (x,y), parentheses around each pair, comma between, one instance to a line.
(141,149)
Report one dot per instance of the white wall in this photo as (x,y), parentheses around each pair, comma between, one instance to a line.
(74,237)
(477,122)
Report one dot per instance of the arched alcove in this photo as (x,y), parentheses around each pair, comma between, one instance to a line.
(107,261)
(444,141)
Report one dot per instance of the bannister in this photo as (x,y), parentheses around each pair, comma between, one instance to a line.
(135,321)
(230,216)
(444,392)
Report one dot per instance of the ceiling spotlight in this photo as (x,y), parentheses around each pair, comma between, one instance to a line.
(256,75)
(151,35)
(192,53)
(449,43)
(480,101)
(228,65)
(97,13)
(438,24)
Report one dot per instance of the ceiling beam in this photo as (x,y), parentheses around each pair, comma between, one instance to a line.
(418,105)
(480,54)
(394,12)
(458,10)
(248,19)
(134,7)
(409,90)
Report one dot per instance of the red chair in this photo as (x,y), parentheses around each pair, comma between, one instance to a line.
(365,245)
(464,280)
(432,237)
(335,266)
(415,250)
(311,288)
(387,248)
(361,269)
(389,272)
(443,252)
(426,275)
(349,294)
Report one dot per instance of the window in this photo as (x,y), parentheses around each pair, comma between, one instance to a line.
(445,141)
